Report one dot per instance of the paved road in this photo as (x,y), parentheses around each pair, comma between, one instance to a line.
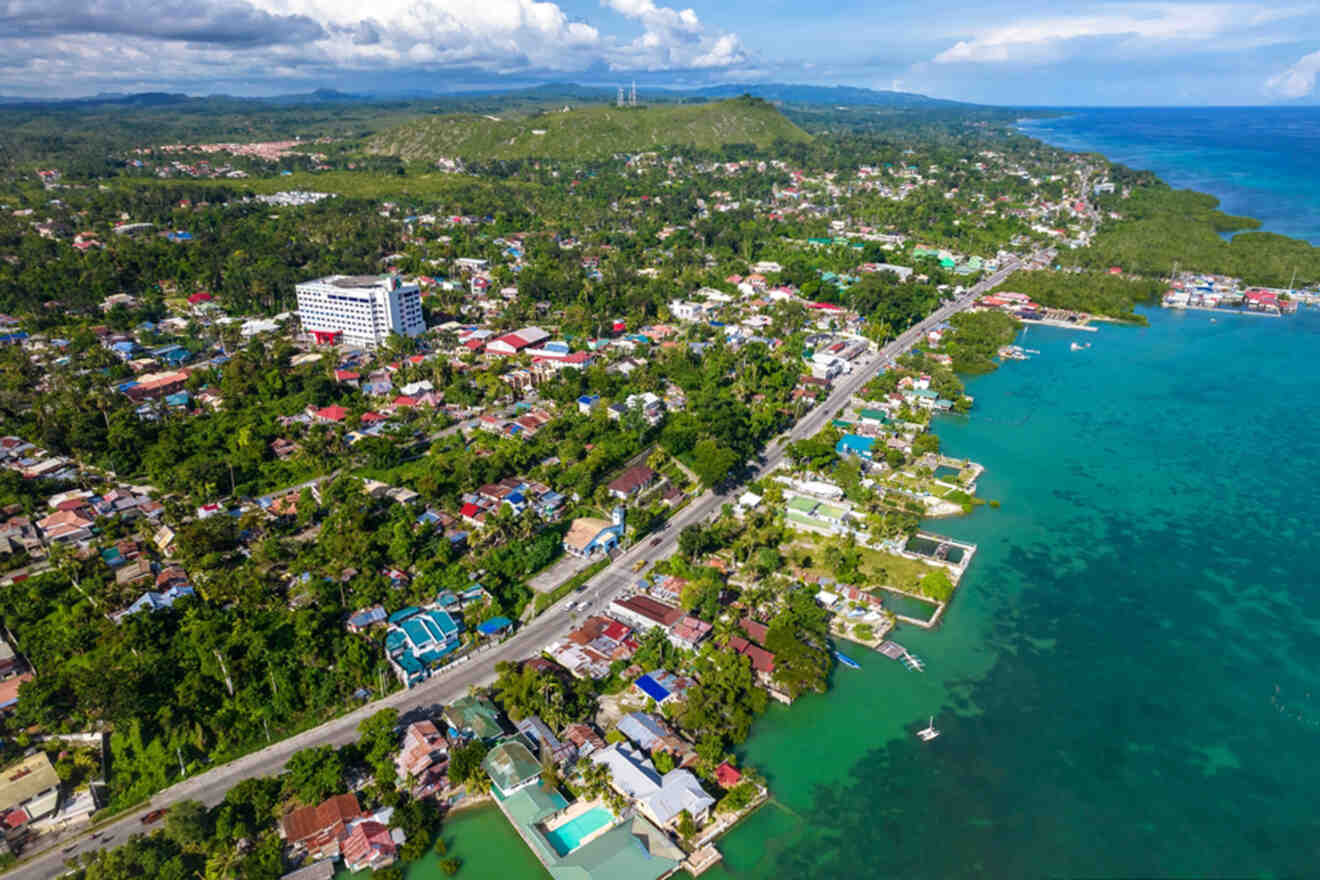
(479,669)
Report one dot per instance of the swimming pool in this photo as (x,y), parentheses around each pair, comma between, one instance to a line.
(568,837)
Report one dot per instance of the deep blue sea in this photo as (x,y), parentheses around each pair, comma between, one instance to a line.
(1262,162)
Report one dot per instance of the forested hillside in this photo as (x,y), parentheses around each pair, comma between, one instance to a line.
(589,132)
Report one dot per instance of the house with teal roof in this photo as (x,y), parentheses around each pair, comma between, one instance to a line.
(418,640)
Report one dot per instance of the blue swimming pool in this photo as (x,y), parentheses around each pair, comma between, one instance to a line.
(568,837)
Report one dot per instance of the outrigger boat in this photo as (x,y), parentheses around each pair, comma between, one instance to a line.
(846,660)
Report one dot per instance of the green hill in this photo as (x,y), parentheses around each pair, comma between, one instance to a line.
(589,132)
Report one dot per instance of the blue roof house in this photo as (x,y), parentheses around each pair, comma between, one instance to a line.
(852,444)
(494,626)
(418,640)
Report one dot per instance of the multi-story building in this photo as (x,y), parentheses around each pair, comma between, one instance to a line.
(359,309)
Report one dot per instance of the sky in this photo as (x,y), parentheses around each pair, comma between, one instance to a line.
(1061,53)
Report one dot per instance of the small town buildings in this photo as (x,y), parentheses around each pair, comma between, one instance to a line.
(651,733)
(585,738)
(727,775)
(853,444)
(512,343)
(590,536)
(644,613)
(689,632)
(29,789)
(370,844)
(9,663)
(537,733)
(152,600)
(631,482)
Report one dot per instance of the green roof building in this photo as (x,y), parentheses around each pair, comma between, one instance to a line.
(474,716)
(511,766)
(873,415)
(631,849)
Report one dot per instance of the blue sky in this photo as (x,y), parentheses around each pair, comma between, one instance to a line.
(1018,53)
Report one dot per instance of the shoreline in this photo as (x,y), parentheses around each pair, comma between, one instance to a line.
(1144,165)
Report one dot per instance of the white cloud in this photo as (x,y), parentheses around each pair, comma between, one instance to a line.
(1043,39)
(672,38)
(1297,81)
(66,46)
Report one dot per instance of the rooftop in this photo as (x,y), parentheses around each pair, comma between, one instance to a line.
(25,780)
(511,764)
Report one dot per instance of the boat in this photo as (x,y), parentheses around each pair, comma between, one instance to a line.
(928,733)
(1075,347)
(846,660)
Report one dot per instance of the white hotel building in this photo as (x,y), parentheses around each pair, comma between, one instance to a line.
(359,309)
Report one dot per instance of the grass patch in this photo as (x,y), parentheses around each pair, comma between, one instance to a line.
(545,600)
(876,567)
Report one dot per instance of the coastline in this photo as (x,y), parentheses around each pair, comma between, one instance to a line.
(977,636)
(1283,203)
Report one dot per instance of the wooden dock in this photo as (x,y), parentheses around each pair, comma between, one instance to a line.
(702,860)
(895,651)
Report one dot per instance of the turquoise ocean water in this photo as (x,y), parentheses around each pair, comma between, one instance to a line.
(1263,162)
(1127,680)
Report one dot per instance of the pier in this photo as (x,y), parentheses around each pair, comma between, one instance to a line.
(895,651)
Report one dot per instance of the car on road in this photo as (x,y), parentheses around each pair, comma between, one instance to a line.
(639,565)
(655,542)
(154,816)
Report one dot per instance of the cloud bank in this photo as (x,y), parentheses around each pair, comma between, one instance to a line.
(77,46)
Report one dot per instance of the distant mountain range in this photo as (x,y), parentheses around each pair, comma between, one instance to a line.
(786,93)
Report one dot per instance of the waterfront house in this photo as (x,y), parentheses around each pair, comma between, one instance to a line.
(662,799)
(511,767)
(370,844)
(317,831)
(424,758)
